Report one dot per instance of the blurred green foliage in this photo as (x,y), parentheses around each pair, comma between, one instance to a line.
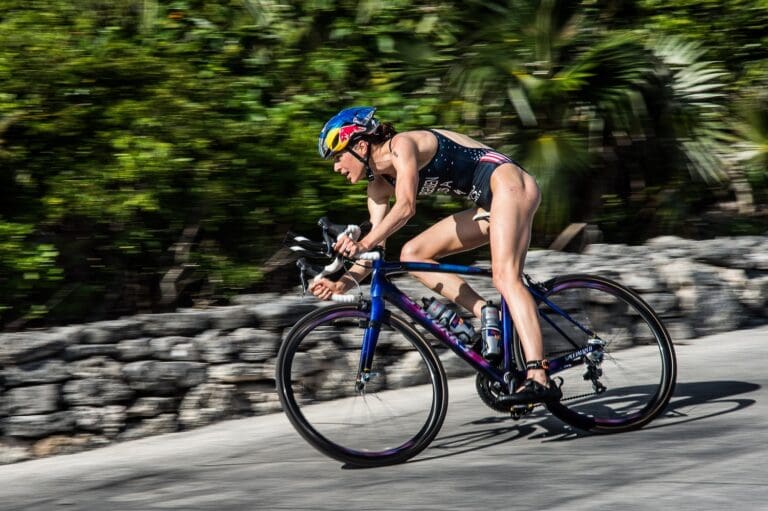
(153,153)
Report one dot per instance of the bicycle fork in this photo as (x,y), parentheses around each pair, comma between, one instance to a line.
(370,338)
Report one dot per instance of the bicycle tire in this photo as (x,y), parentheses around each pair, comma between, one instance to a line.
(403,406)
(639,368)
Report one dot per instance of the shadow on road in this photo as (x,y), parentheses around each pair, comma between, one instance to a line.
(703,400)
(691,402)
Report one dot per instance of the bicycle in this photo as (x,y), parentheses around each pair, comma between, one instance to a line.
(365,386)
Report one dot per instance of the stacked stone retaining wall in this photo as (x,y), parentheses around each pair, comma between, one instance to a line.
(82,386)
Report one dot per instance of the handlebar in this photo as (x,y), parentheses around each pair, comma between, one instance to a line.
(344,298)
(324,250)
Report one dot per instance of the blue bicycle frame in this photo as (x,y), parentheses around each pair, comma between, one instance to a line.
(382,289)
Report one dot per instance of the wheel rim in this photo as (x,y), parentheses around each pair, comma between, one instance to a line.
(637,371)
(399,405)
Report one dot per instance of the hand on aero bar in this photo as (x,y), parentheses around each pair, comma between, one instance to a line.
(347,247)
(323,289)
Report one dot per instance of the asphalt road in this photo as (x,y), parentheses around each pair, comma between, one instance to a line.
(706,453)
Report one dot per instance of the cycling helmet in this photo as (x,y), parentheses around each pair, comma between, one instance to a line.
(343,127)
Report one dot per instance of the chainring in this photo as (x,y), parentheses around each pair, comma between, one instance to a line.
(490,391)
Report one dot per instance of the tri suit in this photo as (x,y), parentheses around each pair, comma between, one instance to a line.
(461,171)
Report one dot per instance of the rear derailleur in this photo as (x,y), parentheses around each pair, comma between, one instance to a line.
(594,361)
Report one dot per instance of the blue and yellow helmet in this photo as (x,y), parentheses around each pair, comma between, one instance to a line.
(343,127)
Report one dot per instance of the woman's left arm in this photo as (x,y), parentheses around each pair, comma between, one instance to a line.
(404,159)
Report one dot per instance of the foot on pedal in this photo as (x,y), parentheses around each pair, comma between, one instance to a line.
(533,392)
(518,411)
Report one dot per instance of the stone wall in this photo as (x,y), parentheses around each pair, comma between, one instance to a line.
(77,387)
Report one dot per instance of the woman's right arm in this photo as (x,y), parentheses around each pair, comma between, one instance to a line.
(380,193)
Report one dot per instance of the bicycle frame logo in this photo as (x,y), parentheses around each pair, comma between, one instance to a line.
(382,288)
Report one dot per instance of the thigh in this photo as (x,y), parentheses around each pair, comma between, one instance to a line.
(451,235)
(516,197)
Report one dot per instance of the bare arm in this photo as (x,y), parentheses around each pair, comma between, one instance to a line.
(404,160)
(385,220)
(379,194)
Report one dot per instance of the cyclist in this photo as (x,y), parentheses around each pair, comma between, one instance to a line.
(421,162)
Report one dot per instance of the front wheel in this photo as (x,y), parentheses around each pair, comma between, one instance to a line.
(388,414)
(628,376)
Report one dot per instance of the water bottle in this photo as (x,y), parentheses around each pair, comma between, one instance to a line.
(449,319)
(491,331)
(437,310)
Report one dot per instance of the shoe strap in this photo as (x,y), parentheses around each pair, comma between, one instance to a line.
(537,364)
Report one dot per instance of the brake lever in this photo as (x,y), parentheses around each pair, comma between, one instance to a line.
(351,230)
(330,241)
(303,276)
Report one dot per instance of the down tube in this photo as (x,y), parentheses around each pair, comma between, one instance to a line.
(405,304)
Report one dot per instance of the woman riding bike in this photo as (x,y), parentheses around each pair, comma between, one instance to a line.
(421,162)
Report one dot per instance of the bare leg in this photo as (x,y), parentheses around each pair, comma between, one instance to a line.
(516,197)
(451,235)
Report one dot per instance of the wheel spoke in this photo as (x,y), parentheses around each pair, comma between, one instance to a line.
(637,367)
(388,415)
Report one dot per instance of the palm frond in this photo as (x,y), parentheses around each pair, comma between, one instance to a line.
(557,159)
(697,112)
(751,148)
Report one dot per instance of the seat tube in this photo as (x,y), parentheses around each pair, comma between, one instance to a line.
(507,329)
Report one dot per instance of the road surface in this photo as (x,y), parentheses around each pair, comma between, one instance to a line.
(705,453)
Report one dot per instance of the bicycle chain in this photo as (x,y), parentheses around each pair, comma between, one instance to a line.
(536,405)
(570,398)
(579,396)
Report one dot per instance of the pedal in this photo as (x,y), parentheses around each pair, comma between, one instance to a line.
(519,411)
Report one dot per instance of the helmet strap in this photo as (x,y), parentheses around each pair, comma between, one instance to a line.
(365,161)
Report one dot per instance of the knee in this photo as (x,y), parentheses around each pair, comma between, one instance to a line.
(507,280)
(413,251)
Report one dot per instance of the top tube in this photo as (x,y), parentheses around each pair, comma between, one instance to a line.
(408,266)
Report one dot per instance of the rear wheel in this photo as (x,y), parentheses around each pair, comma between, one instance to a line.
(629,378)
(389,415)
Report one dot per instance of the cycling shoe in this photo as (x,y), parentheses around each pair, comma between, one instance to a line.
(533,392)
